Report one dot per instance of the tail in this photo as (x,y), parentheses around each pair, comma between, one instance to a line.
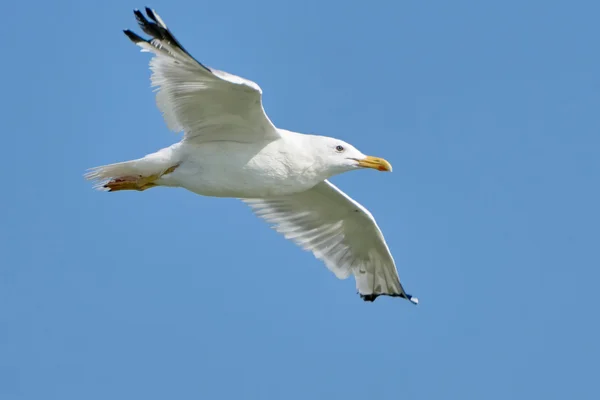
(140,174)
(103,174)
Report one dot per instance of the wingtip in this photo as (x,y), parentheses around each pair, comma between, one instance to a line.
(153,15)
(135,38)
(372,297)
(139,16)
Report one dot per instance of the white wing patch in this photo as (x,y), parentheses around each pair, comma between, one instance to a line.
(339,231)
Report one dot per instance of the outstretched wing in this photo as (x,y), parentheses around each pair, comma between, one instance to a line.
(204,103)
(339,231)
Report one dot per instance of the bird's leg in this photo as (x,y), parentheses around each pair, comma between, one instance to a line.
(136,182)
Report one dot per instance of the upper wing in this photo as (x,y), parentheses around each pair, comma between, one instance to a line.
(205,103)
(338,231)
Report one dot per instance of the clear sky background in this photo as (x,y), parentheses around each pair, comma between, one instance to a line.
(489,112)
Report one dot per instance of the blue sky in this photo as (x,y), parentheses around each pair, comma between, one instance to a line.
(489,114)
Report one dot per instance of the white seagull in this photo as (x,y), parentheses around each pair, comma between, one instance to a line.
(230,148)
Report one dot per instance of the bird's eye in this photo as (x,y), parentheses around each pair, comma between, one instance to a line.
(339,148)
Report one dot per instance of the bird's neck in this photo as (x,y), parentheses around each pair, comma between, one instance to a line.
(311,165)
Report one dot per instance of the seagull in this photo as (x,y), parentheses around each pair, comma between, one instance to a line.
(230,148)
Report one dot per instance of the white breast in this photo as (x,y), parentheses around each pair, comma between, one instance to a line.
(243,170)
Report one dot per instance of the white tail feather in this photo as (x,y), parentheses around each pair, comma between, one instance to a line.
(152,164)
(116,170)
(104,173)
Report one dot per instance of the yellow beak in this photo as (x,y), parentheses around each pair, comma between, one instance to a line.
(375,163)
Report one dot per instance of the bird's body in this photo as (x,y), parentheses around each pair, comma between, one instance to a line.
(230,148)
(258,170)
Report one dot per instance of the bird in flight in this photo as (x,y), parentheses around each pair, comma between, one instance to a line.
(230,148)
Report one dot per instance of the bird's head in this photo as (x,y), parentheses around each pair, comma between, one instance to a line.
(339,156)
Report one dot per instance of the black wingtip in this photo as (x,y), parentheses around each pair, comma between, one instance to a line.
(135,38)
(139,16)
(157,30)
(373,296)
(151,28)
(150,14)
(369,297)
